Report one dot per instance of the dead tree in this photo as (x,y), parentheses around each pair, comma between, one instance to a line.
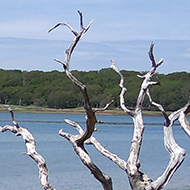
(78,140)
(31,149)
(138,180)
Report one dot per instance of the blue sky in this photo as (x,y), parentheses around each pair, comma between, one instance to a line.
(121,30)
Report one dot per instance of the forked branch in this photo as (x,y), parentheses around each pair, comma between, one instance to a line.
(177,154)
(138,180)
(78,140)
(151,56)
(104,179)
(147,79)
(91,119)
(92,140)
(77,35)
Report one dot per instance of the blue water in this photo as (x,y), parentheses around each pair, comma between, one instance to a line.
(65,168)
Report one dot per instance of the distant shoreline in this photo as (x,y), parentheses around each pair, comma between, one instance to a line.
(34,109)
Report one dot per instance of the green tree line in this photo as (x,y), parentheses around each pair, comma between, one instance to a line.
(54,90)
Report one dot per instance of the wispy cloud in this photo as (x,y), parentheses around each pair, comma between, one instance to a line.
(113,20)
(187,53)
(121,30)
(28,54)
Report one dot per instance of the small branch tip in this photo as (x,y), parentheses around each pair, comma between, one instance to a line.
(79,12)
(140,76)
(60,131)
(8,107)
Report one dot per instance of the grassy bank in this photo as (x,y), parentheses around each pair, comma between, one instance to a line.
(35,109)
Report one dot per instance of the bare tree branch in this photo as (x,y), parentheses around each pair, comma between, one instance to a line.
(12,115)
(151,56)
(31,150)
(76,125)
(138,180)
(78,36)
(123,90)
(160,107)
(92,140)
(183,119)
(91,119)
(105,108)
(85,158)
(81,20)
(184,123)
(177,154)
(78,140)
(64,24)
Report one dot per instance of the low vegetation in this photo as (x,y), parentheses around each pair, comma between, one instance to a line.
(54,90)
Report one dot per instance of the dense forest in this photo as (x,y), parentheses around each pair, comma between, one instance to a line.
(54,90)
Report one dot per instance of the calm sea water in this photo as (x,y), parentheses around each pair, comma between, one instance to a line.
(65,168)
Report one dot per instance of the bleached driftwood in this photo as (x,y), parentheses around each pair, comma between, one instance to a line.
(139,180)
(78,140)
(31,150)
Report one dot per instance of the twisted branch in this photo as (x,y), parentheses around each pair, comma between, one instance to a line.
(78,140)
(91,118)
(123,90)
(138,180)
(92,140)
(177,154)
(103,178)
